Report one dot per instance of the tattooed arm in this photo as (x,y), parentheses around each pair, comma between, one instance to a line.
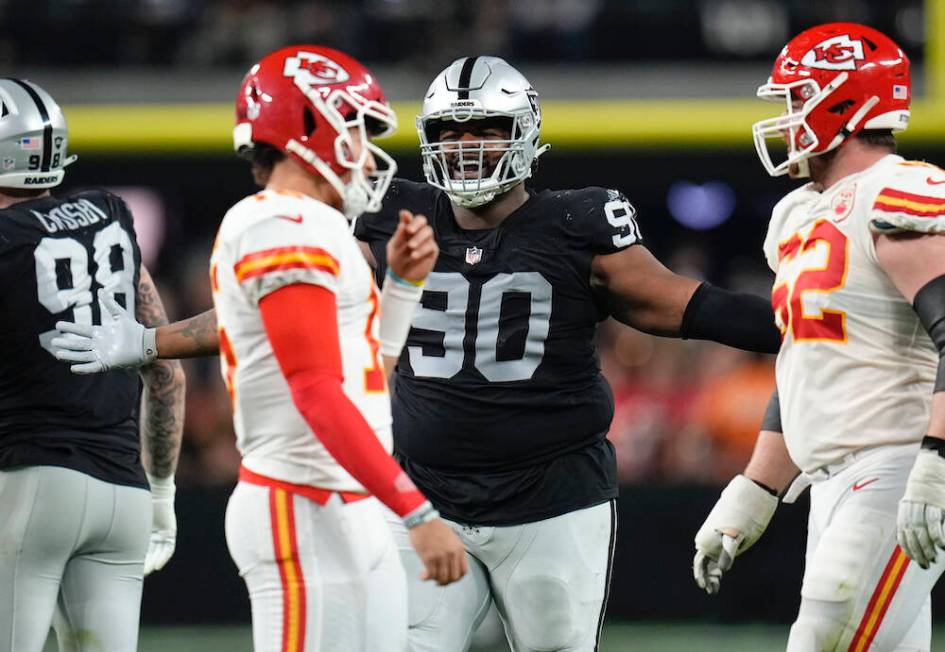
(189,338)
(162,403)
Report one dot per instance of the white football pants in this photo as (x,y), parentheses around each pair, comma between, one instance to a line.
(321,578)
(860,591)
(72,555)
(549,581)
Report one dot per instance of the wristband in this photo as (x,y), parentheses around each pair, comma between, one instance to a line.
(162,488)
(934,444)
(149,344)
(397,279)
(766,487)
(423,514)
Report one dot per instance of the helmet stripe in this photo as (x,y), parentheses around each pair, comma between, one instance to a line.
(464,76)
(47,123)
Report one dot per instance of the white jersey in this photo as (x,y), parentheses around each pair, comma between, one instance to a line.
(265,242)
(856,367)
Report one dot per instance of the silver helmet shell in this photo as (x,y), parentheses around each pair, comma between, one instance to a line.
(476,88)
(33,137)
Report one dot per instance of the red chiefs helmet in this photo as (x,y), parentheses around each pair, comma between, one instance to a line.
(304,101)
(835,80)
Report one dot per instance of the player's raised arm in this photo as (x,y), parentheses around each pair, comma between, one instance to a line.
(642,293)
(915,262)
(162,427)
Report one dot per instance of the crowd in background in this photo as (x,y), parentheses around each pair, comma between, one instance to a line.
(418,32)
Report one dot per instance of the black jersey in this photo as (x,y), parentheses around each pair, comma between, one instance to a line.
(500,409)
(55,254)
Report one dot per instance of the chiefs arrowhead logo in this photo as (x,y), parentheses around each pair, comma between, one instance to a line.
(835,53)
(312,69)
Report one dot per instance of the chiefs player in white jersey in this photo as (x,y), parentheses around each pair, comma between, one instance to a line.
(300,339)
(859,297)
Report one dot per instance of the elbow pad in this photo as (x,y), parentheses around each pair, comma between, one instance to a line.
(740,320)
(929,304)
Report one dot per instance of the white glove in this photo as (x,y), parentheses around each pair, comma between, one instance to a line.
(119,342)
(738,519)
(163,524)
(919,523)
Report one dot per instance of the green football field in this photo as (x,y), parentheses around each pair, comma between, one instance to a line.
(648,637)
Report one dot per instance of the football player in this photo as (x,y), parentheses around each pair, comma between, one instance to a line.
(300,343)
(78,527)
(859,297)
(501,412)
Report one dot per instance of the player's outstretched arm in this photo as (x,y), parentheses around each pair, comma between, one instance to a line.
(642,293)
(162,427)
(189,338)
(122,342)
(916,265)
(743,511)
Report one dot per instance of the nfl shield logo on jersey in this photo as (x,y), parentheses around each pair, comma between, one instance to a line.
(473,255)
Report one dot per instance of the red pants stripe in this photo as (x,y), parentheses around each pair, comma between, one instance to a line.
(282,513)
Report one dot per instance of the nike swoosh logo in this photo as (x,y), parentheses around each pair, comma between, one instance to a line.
(297,219)
(859,485)
(933,182)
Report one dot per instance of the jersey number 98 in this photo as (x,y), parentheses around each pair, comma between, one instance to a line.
(58,257)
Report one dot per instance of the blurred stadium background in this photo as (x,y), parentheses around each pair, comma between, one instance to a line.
(654,97)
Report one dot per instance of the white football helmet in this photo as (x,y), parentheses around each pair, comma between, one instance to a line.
(476,88)
(33,137)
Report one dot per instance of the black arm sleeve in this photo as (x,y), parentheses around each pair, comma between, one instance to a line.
(929,304)
(744,321)
(772,418)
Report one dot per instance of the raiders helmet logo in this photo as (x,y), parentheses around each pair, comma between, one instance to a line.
(835,53)
(312,69)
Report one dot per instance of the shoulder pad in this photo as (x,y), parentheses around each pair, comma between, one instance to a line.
(912,200)
(604,218)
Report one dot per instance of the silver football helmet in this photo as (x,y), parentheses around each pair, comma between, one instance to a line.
(477,88)
(33,137)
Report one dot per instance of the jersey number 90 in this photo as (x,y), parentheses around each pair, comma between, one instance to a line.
(452,323)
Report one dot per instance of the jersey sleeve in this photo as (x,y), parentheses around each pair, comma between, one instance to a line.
(913,200)
(275,252)
(608,220)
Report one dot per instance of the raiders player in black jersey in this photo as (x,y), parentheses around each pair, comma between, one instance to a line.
(75,512)
(500,410)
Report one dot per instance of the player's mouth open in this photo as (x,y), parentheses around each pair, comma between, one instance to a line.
(469,169)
